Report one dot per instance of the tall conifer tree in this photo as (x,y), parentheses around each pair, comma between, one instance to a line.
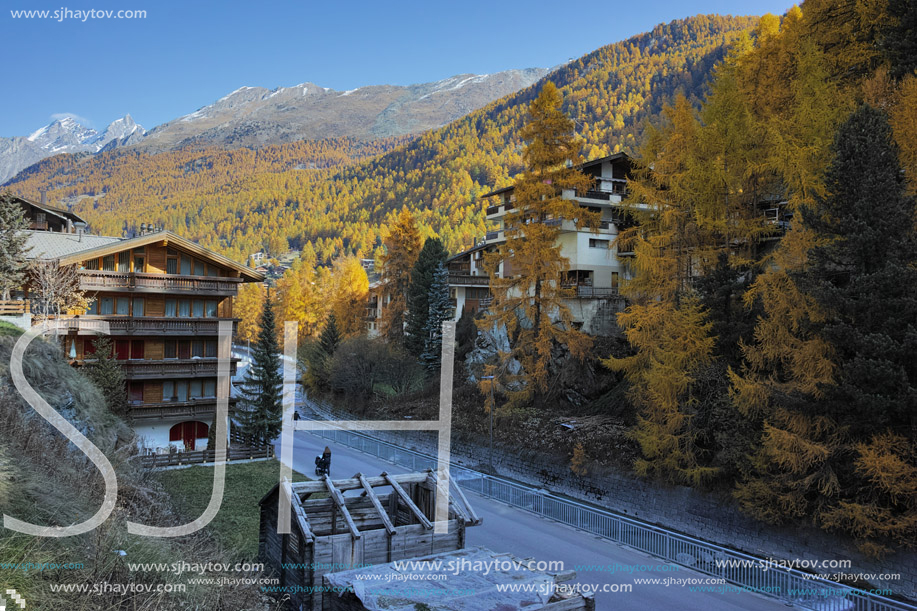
(431,256)
(260,411)
(402,247)
(439,310)
(528,294)
(13,264)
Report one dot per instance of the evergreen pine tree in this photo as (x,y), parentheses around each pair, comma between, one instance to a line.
(864,276)
(898,41)
(431,255)
(108,376)
(439,310)
(13,264)
(260,410)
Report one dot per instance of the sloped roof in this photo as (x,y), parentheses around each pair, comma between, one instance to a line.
(73,248)
(60,212)
(53,245)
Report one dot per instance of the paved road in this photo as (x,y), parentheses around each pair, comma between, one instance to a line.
(507,529)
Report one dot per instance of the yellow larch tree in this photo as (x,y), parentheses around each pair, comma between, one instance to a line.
(402,247)
(528,269)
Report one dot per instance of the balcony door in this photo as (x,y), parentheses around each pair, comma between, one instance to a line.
(188,433)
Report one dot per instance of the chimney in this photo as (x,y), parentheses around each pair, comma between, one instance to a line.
(44,198)
(142,228)
(69,226)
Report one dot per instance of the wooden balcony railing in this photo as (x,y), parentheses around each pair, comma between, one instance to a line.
(203,407)
(140,369)
(94,280)
(468,280)
(148,325)
(14,307)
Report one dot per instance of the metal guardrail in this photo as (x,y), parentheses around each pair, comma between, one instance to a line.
(742,570)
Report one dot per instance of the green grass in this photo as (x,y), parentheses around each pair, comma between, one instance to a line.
(9,330)
(235,527)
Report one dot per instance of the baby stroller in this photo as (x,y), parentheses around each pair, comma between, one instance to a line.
(322,465)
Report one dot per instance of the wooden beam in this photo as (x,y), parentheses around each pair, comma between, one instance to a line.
(355,484)
(368,491)
(338,499)
(298,512)
(393,482)
(475,518)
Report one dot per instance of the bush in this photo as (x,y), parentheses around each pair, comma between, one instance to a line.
(362,366)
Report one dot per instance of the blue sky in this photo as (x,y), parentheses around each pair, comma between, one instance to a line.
(187,54)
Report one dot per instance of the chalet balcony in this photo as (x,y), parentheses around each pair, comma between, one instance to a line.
(141,369)
(94,280)
(492,210)
(147,326)
(15,307)
(581,291)
(204,408)
(468,280)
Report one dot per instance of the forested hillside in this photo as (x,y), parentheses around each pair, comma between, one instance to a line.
(243,201)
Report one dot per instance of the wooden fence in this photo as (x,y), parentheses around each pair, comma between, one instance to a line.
(204,456)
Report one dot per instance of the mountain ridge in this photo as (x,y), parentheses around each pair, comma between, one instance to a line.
(257,116)
(242,207)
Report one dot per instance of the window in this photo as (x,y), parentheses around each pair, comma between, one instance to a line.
(139,263)
(172,265)
(170,349)
(171,310)
(136,392)
(137,349)
(185,265)
(198,268)
(210,388)
(108,263)
(92,307)
(168,390)
(210,348)
(595,243)
(122,306)
(198,309)
(138,306)
(212,271)
(196,389)
(124,261)
(184,349)
(212,310)
(614,280)
(91,264)
(184,308)
(197,349)
(181,390)
(108,306)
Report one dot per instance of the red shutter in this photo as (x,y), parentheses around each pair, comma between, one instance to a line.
(137,349)
(122,349)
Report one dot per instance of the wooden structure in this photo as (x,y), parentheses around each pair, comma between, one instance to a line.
(458,584)
(350,523)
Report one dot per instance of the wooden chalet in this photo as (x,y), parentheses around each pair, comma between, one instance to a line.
(350,523)
(163,297)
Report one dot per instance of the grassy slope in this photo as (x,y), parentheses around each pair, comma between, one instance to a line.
(235,527)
